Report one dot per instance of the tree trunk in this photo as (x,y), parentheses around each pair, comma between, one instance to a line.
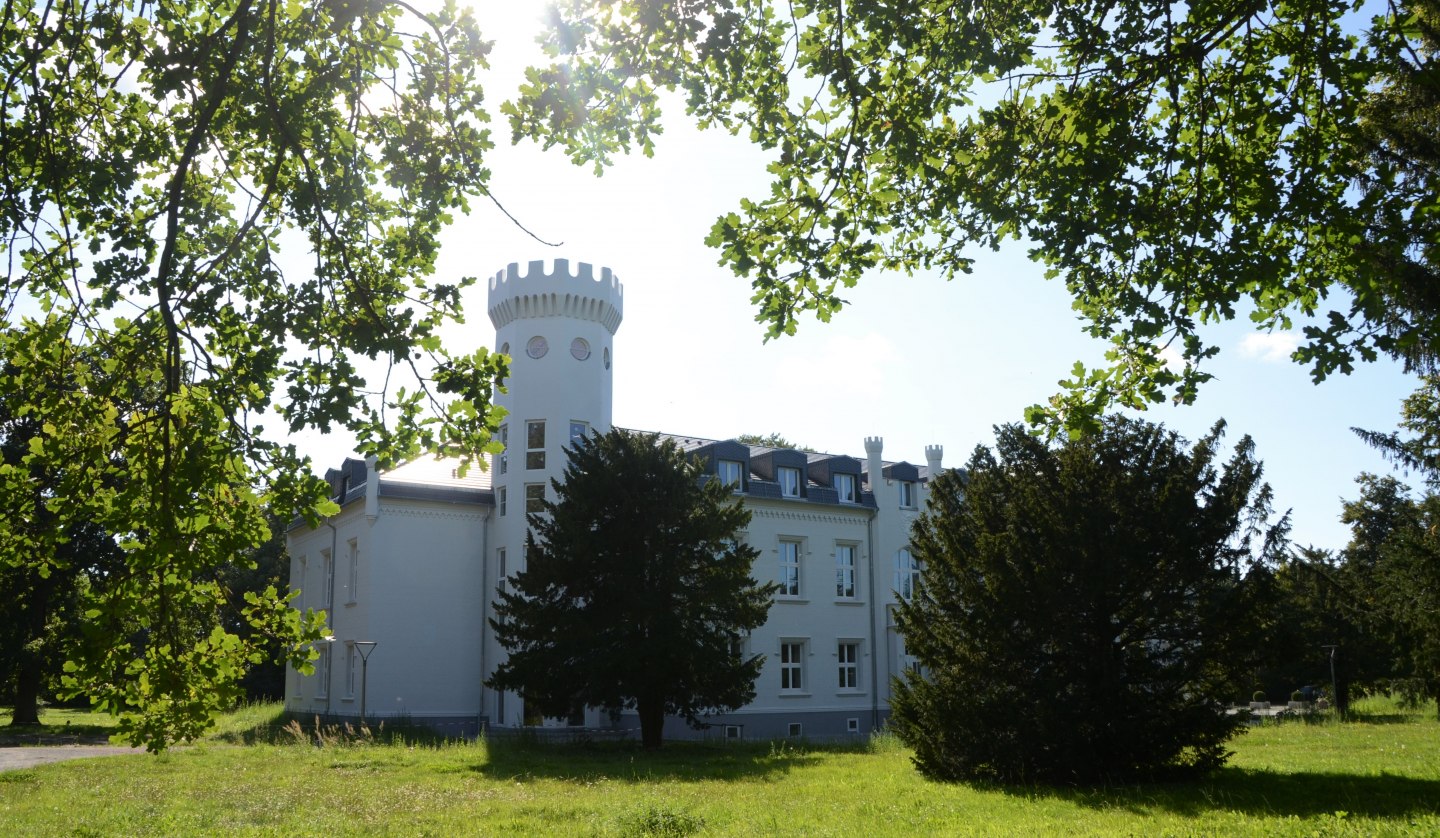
(652,723)
(27,691)
(29,669)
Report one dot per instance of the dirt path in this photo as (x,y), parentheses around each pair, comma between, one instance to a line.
(27,757)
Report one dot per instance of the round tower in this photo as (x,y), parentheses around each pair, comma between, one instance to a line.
(558,328)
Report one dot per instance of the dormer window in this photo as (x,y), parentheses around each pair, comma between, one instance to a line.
(907,494)
(789,479)
(844,487)
(729,472)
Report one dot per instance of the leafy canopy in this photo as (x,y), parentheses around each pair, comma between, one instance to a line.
(1082,614)
(155,160)
(1174,164)
(636,591)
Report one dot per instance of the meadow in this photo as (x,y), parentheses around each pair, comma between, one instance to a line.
(1377,775)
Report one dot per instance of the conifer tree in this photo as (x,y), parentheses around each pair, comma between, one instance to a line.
(636,592)
(1082,614)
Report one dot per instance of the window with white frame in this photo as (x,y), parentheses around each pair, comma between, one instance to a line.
(504,457)
(729,473)
(322,673)
(789,576)
(847,653)
(500,500)
(792,666)
(789,481)
(534,497)
(907,494)
(844,487)
(845,571)
(352,664)
(301,566)
(328,562)
(578,431)
(352,561)
(504,572)
(907,574)
(535,444)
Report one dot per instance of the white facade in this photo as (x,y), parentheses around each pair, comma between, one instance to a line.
(415,555)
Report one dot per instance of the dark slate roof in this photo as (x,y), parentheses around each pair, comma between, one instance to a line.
(760,482)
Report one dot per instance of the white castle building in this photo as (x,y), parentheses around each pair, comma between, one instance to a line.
(413,559)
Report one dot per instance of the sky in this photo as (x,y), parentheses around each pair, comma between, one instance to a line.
(913,359)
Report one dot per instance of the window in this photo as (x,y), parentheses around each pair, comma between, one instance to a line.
(578,432)
(535,444)
(734,732)
(789,481)
(329,569)
(504,571)
(789,578)
(729,472)
(796,730)
(534,497)
(845,571)
(907,574)
(301,566)
(504,464)
(852,725)
(844,487)
(907,494)
(848,654)
(576,717)
(322,671)
(352,553)
(792,666)
(352,658)
(908,663)
(500,498)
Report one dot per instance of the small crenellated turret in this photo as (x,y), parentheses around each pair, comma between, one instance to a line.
(873,464)
(933,455)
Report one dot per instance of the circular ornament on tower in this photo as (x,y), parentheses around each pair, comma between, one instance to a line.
(579,349)
(537,347)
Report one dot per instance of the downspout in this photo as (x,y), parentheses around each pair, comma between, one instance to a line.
(484,611)
(330,614)
(874,649)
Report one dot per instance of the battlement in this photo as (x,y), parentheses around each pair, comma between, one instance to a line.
(557,293)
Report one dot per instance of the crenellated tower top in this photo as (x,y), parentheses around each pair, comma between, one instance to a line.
(558,293)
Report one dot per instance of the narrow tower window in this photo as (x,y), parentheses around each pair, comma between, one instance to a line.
(535,444)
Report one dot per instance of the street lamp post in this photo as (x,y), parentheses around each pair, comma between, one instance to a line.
(1334,692)
(365,647)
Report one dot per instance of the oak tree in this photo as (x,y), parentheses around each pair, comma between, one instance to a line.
(156,158)
(1174,164)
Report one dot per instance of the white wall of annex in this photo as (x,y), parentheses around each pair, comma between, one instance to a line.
(817,616)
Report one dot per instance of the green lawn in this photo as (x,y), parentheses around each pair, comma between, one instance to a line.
(1379,776)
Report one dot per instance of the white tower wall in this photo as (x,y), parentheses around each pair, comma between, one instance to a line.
(558,328)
